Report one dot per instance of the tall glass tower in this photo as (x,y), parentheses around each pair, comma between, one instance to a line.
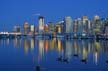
(41,24)
(68,24)
(26,28)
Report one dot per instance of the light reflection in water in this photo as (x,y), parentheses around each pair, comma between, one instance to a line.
(52,44)
(46,45)
(17,43)
(86,50)
(75,47)
(68,49)
(41,48)
(32,43)
(96,51)
(59,46)
(26,46)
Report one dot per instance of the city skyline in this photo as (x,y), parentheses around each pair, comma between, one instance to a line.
(67,24)
(16,11)
(53,35)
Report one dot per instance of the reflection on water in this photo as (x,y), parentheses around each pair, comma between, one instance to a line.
(58,54)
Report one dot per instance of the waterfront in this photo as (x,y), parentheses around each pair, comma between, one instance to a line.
(55,54)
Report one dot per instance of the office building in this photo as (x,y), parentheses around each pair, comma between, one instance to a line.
(96,17)
(51,27)
(32,28)
(68,24)
(85,24)
(26,28)
(80,26)
(58,28)
(46,28)
(18,29)
(41,24)
(75,26)
(96,24)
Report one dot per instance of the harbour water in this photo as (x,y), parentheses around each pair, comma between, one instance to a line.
(29,54)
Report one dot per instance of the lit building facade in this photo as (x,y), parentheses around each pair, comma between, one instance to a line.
(68,24)
(17,29)
(85,24)
(75,26)
(46,28)
(41,24)
(26,28)
(80,27)
(51,27)
(32,28)
(96,24)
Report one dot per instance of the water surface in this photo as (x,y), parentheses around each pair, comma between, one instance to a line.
(27,54)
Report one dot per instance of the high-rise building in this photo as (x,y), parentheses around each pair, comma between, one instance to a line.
(84,19)
(80,27)
(26,28)
(75,26)
(96,18)
(18,29)
(58,28)
(41,24)
(96,24)
(51,27)
(32,28)
(46,28)
(85,24)
(89,26)
(104,28)
(62,26)
(68,24)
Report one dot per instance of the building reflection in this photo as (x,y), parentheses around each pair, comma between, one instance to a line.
(96,51)
(32,43)
(105,45)
(42,45)
(52,44)
(75,47)
(17,42)
(81,49)
(41,48)
(26,46)
(68,49)
(86,50)
(59,46)
(46,45)
(7,41)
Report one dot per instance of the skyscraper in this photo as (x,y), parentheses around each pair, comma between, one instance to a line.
(32,28)
(18,29)
(96,24)
(46,28)
(68,24)
(85,24)
(26,28)
(41,24)
(79,25)
(96,17)
(75,26)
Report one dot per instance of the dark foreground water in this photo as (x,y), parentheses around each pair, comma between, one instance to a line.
(53,55)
